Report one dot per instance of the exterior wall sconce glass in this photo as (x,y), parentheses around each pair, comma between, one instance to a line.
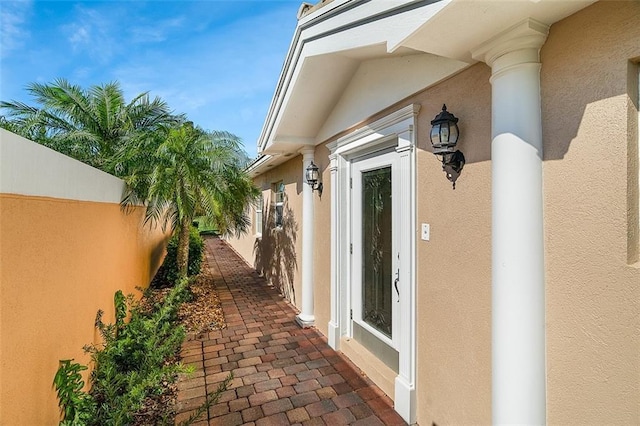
(311,176)
(444,137)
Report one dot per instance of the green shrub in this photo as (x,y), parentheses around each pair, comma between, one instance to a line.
(78,407)
(131,364)
(168,273)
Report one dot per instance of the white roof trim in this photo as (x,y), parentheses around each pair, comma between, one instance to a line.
(333,42)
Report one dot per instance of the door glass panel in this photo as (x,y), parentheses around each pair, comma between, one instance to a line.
(377,249)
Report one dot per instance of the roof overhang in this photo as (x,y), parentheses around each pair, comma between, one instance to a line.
(337,48)
(463,25)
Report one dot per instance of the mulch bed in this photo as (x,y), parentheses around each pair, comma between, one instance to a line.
(203,313)
(199,315)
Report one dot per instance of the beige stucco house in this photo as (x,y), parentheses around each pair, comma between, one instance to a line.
(513,298)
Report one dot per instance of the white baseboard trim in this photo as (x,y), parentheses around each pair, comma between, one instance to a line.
(334,336)
(405,400)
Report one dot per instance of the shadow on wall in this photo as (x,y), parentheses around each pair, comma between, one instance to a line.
(157,256)
(275,252)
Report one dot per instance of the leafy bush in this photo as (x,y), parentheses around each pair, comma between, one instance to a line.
(78,407)
(167,275)
(135,361)
(131,364)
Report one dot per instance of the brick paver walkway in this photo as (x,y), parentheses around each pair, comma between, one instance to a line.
(283,374)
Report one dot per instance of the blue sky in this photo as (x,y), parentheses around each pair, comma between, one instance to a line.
(216,61)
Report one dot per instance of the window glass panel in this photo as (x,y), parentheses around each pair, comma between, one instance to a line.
(279,202)
(377,250)
(258,219)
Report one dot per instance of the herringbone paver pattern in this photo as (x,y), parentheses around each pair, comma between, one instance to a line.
(283,374)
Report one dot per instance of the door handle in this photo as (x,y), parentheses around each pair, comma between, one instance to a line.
(395,283)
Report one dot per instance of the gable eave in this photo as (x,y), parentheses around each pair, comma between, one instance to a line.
(330,43)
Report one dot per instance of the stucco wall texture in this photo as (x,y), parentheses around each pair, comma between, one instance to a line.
(277,254)
(61,261)
(593,298)
(589,95)
(454,266)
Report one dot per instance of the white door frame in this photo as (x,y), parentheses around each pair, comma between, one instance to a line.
(388,159)
(394,130)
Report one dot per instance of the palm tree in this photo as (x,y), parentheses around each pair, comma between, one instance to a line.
(176,170)
(89,125)
(191,173)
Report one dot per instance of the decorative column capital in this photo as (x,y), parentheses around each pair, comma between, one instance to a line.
(308,153)
(517,45)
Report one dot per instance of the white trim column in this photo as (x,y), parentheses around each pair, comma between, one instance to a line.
(306,317)
(405,382)
(334,324)
(518,288)
(396,129)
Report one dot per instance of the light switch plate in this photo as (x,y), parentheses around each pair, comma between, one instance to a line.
(426,231)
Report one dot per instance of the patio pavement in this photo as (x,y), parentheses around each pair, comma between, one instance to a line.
(283,374)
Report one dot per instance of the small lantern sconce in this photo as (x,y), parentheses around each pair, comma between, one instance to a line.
(444,136)
(311,176)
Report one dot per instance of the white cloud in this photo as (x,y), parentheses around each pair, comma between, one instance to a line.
(13,32)
(156,31)
(221,74)
(80,36)
(91,33)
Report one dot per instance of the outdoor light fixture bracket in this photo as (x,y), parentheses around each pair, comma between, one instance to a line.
(452,165)
(444,137)
(311,176)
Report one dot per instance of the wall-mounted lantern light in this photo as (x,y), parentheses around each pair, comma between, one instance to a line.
(311,176)
(444,137)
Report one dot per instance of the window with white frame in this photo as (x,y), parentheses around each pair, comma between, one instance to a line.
(258,217)
(278,189)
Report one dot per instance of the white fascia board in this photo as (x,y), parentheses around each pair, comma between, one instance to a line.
(286,76)
(354,13)
(287,68)
(28,168)
(324,10)
(338,22)
(276,154)
(258,166)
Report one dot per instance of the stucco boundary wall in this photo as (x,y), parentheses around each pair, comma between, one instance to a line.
(66,247)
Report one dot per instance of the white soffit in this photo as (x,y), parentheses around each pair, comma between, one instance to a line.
(463,25)
(378,83)
(319,83)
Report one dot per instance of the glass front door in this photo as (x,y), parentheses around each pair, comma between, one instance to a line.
(377,309)
(375,291)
